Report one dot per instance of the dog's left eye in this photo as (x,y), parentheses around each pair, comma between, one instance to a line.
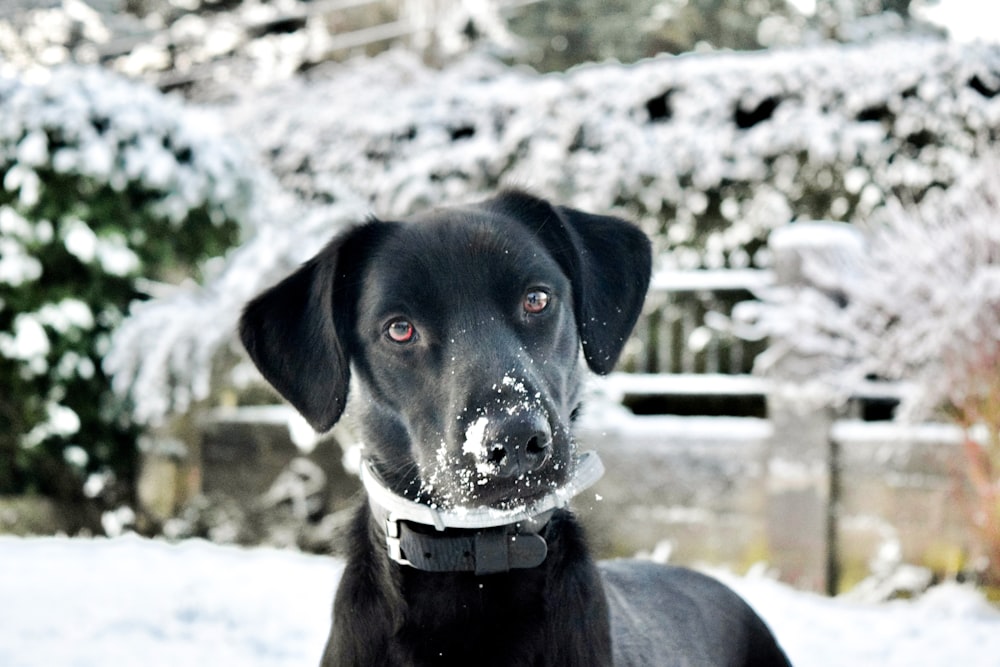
(535,301)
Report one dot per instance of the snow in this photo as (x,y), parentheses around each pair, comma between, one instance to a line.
(474,440)
(965,20)
(710,280)
(135,602)
(617,385)
(950,625)
(61,422)
(130,601)
(117,131)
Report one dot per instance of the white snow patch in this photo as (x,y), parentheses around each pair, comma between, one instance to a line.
(516,384)
(130,601)
(474,438)
(80,240)
(61,421)
(965,20)
(29,341)
(475,446)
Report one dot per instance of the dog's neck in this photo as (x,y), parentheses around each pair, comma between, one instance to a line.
(480,540)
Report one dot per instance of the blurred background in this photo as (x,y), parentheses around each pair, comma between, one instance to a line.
(813,385)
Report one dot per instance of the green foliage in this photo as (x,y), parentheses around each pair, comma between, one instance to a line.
(564,33)
(106,185)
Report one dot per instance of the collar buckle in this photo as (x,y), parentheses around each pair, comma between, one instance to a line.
(393,543)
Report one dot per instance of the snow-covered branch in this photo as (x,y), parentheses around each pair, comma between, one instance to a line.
(162,355)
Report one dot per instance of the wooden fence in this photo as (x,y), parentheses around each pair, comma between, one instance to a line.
(675,333)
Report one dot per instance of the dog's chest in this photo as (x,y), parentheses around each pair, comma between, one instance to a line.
(465,619)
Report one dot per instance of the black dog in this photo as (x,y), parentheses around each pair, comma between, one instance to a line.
(464,331)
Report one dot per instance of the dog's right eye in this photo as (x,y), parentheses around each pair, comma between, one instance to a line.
(400,331)
(535,301)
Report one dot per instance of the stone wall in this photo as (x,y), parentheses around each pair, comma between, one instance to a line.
(719,491)
(728,491)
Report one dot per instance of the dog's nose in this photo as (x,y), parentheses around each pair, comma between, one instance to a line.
(518,444)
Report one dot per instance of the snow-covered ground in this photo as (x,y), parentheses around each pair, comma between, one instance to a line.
(130,601)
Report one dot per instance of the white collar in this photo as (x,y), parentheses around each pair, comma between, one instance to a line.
(587,470)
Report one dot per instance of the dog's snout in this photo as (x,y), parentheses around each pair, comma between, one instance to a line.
(519,444)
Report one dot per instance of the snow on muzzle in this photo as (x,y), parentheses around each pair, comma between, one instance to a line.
(511,445)
(513,437)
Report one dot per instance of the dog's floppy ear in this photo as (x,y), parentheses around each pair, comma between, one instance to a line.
(608,261)
(297,331)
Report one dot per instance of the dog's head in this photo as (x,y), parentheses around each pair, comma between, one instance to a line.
(464,331)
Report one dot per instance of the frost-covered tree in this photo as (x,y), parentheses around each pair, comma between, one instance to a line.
(105,184)
(919,304)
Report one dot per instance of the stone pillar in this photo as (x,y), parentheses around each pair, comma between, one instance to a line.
(168,476)
(801,464)
(800,494)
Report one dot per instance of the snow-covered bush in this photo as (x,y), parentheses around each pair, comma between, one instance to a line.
(710,153)
(919,304)
(105,184)
(213,49)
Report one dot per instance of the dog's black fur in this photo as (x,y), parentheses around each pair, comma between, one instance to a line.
(468,314)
